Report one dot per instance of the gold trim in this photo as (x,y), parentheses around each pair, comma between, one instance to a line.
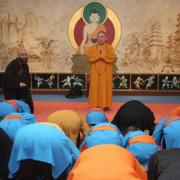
(117,26)
(74,19)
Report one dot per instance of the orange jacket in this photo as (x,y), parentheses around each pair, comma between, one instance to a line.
(107,162)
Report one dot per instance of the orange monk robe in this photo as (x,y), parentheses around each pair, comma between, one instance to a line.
(107,162)
(101,59)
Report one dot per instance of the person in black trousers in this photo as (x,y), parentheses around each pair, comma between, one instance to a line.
(16,79)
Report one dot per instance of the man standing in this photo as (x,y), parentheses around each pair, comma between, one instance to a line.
(16,79)
(101,58)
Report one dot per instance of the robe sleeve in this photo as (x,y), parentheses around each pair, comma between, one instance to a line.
(109,56)
(92,54)
(10,78)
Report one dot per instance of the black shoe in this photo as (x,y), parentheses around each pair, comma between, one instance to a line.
(106,109)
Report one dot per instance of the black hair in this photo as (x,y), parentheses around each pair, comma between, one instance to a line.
(136,114)
(94,11)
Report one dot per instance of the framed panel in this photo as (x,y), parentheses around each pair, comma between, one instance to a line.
(169,82)
(44,81)
(121,81)
(144,81)
(68,81)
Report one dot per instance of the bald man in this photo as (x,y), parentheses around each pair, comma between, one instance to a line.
(101,58)
(16,79)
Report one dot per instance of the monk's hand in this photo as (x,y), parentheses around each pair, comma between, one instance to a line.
(103,54)
(21,84)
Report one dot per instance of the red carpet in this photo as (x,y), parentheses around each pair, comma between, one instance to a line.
(44,109)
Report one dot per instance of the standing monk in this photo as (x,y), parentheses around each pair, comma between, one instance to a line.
(16,79)
(101,58)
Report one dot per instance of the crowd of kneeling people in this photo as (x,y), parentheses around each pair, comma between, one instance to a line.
(131,147)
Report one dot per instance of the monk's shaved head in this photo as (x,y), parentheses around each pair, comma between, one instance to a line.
(21,51)
(101,37)
(103,32)
(22,54)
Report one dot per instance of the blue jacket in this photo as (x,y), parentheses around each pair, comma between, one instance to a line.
(167,134)
(22,106)
(103,133)
(142,148)
(6,108)
(46,143)
(18,120)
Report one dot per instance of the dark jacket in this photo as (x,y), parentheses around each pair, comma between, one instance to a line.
(165,165)
(16,72)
